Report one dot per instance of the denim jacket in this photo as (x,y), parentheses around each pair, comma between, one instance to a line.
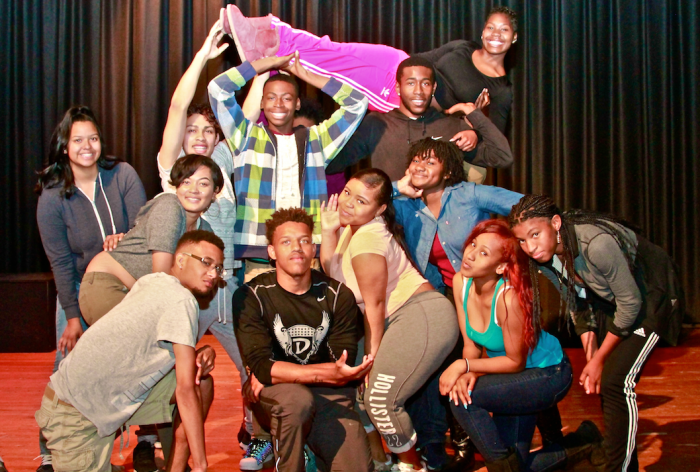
(462,207)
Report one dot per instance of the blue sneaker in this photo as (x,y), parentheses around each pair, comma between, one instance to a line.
(258,456)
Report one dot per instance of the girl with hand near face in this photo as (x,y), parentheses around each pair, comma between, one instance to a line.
(525,370)
(150,246)
(623,293)
(409,327)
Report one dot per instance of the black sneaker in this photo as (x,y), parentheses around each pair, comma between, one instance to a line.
(2,467)
(46,464)
(145,457)
(243,437)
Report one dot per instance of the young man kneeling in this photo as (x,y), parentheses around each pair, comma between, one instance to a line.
(297,328)
(121,371)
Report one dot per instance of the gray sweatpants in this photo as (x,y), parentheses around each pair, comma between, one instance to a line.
(417,339)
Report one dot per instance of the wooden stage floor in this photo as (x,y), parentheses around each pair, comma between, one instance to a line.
(668,395)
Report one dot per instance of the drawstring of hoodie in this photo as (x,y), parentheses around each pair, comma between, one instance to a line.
(408,128)
(218,304)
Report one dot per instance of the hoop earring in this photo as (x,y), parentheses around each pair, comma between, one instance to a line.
(558,237)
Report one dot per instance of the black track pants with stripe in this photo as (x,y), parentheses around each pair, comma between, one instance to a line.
(619,400)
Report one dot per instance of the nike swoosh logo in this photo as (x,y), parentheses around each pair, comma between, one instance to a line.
(320,299)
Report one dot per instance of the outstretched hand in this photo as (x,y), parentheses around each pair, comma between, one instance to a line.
(406,187)
(330,221)
(345,373)
(210,48)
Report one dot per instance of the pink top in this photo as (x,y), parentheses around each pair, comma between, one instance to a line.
(374,238)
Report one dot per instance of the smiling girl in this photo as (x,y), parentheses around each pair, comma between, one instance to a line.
(150,246)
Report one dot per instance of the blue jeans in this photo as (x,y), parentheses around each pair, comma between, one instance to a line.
(515,400)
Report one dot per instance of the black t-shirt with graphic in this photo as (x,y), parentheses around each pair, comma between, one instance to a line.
(273,324)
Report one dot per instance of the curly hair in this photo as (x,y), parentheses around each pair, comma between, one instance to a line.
(542,206)
(444,151)
(280,217)
(516,273)
(57,170)
(509,13)
(205,110)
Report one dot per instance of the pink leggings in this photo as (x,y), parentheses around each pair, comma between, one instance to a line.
(370,68)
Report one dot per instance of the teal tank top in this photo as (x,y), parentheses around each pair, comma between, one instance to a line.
(548,351)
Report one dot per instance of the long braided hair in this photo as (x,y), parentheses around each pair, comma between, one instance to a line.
(542,206)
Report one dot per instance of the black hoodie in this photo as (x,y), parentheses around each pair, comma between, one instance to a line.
(386,137)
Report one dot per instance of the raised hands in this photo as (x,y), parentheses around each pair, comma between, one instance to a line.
(210,49)
(330,221)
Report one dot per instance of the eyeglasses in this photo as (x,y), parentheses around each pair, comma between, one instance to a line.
(209,264)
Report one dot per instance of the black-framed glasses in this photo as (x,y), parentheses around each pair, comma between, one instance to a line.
(209,264)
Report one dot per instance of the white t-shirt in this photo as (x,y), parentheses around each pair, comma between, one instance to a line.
(116,363)
(287,192)
(374,238)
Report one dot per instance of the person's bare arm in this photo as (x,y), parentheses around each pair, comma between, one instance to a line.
(161,261)
(329,373)
(291,64)
(182,97)
(189,403)
(372,278)
(251,105)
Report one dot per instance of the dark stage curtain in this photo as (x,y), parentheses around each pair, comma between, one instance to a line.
(605,113)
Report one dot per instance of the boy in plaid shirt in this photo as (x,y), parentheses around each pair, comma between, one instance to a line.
(275,165)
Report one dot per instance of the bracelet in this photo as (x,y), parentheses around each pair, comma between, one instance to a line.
(467,361)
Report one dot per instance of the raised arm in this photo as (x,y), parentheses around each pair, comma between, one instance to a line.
(182,97)
(434,55)
(251,105)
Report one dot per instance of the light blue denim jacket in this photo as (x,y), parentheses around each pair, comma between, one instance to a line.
(462,207)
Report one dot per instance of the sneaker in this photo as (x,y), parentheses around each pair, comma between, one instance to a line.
(46,463)
(258,456)
(243,437)
(383,466)
(2,467)
(403,467)
(145,457)
(254,38)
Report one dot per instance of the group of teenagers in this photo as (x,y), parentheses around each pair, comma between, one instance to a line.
(371,319)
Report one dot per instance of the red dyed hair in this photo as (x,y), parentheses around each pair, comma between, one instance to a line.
(516,272)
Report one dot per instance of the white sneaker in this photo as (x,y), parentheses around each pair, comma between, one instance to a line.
(403,467)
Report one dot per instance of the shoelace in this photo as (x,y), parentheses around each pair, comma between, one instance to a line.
(46,459)
(259,450)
